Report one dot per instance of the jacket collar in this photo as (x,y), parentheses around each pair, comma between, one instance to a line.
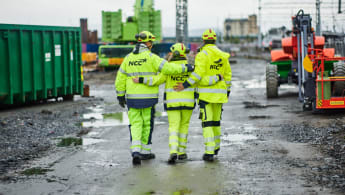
(140,47)
(178,58)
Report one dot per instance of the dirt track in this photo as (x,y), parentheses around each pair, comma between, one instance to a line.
(268,147)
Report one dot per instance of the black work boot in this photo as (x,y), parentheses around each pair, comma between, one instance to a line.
(208,157)
(136,158)
(147,156)
(182,156)
(216,151)
(172,158)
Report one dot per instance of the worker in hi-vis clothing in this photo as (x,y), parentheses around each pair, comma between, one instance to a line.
(179,105)
(212,75)
(141,99)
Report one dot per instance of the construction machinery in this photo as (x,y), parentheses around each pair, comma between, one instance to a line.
(304,61)
(145,18)
(113,55)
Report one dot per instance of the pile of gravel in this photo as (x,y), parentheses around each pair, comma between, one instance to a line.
(26,135)
(331,142)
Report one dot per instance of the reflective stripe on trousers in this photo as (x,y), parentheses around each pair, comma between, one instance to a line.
(210,115)
(141,127)
(178,130)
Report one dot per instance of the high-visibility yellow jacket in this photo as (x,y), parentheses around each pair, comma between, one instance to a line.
(173,100)
(209,63)
(144,64)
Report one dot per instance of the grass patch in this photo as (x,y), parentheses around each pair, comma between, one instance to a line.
(35,171)
(68,141)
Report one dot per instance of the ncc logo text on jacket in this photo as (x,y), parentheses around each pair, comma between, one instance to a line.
(179,77)
(217,65)
(137,62)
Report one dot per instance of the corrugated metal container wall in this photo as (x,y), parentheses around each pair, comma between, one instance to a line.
(39,62)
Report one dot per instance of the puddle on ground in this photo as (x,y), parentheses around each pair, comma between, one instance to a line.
(99,119)
(93,133)
(256,105)
(236,139)
(243,128)
(258,84)
(90,141)
(99,163)
(76,141)
(180,192)
(259,117)
(250,84)
(105,120)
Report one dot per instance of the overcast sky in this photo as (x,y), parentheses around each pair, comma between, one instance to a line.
(202,13)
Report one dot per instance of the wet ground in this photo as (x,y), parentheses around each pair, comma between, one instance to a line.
(268,146)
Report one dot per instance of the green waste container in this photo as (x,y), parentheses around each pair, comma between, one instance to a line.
(39,62)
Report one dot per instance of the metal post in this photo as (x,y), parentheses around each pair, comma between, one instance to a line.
(312,46)
(339,6)
(302,55)
(182,21)
(259,26)
(299,68)
(318,18)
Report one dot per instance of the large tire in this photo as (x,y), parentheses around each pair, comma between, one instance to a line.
(271,81)
(339,71)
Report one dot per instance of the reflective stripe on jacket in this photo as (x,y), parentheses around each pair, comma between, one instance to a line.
(145,64)
(209,63)
(174,100)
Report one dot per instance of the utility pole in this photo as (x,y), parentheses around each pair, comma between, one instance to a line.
(339,6)
(182,21)
(259,26)
(318,18)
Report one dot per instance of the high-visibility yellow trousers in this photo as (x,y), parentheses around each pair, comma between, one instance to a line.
(141,122)
(210,114)
(178,130)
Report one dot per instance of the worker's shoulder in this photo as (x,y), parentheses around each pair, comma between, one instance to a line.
(214,50)
(153,55)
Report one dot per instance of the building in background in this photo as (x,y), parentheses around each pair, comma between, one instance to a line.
(241,28)
(86,35)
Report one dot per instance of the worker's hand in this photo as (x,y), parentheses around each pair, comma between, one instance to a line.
(179,87)
(122,101)
(228,93)
(135,79)
(190,68)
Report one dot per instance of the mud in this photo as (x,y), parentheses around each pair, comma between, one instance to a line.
(28,132)
(267,146)
(249,105)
